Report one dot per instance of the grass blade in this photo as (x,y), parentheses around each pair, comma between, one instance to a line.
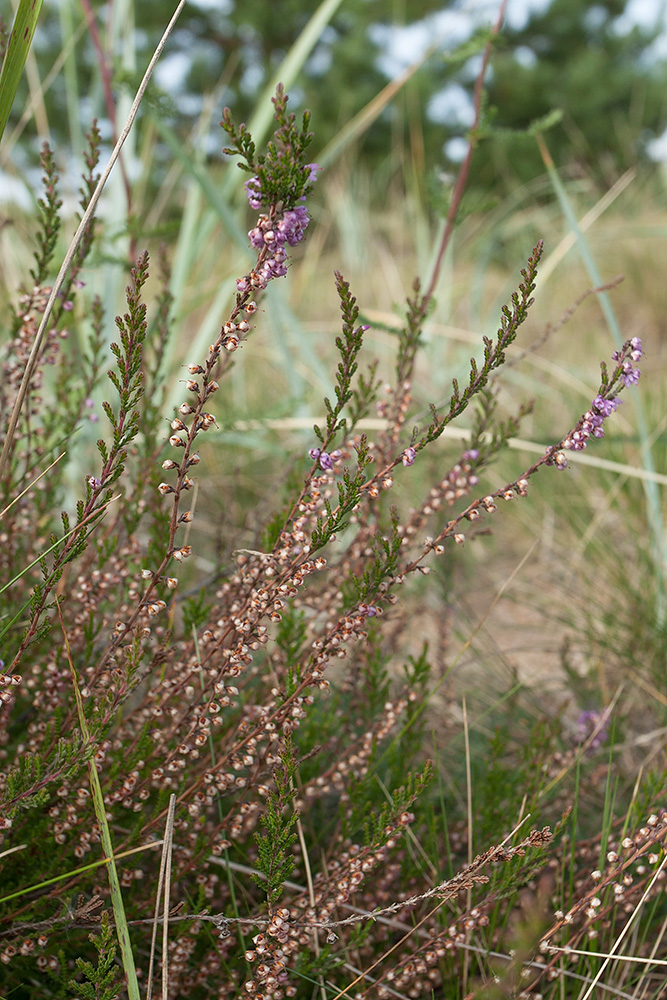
(122,931)
(17,52)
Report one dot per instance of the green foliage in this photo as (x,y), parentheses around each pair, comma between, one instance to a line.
(282,176)
(100,982)
(348,347)
(49,210)
(195,611)
(383,823)
(274,859)
(288,646)
(349,493)
(27,782)
(581,64)
(290,638)
(383,562)
(16,54)
(129,382)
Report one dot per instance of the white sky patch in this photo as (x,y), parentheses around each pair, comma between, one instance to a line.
(525,56)
(171,71)
(451,106)
(456,149)
(223,6)
(643,13)
(15,192)
(657,148)
(519,12)
(402,46)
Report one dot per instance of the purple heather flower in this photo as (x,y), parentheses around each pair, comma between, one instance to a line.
(253,190)
(90,403)
(293,225)
(588,722)
(314,453)
(606,407)
(630,375)
(591,424)
(312,175)
(326,461)
(408,456)
(256,237)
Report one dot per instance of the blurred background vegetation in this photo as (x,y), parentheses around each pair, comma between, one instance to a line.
(602,65)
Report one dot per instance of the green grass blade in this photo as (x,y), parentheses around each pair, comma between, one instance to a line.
(17,52)
(122,930)
(64,876)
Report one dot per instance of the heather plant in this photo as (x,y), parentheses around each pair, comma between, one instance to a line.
(227,787)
